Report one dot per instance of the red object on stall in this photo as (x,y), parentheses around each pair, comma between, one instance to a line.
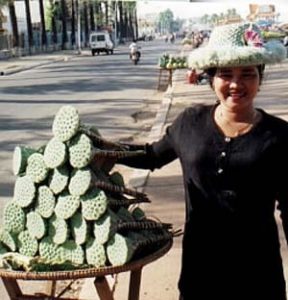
(192,76)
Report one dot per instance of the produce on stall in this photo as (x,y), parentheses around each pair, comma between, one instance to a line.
(70,210)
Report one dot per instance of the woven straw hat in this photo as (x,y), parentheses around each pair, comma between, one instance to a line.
(236,45)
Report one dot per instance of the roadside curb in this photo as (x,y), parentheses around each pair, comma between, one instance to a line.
(32,66)
(139,177)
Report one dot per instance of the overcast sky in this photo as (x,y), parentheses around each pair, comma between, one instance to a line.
(185,9)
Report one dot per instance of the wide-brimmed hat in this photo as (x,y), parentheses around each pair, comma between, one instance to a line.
(236,45)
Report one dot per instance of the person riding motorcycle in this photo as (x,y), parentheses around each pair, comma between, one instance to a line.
(134,48)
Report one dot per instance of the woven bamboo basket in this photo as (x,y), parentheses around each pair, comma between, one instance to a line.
(89,272)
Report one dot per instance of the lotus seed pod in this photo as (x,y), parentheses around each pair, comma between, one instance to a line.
(58,230)
(27,244)
(94,204)
(66,205)
(20,157)
(55,153)
(24,191)
(3,250)
(79,228)
(105,227)
(45,202)
(80,181)
(120,250)
(66,123)
(72,252)
(117,179)
(36,167)
(49,250)
(95,253)
(8,240)
(14,218)
(80,151)
(35,225)
(59,179)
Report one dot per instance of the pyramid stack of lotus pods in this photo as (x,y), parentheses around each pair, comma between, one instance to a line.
(70,209)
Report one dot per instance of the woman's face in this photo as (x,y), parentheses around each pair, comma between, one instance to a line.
(236,87)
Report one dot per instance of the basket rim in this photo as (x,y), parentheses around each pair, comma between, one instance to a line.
(89,272)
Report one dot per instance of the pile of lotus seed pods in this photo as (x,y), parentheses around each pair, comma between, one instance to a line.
(69,209)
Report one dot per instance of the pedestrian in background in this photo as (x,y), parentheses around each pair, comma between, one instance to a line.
(234,158)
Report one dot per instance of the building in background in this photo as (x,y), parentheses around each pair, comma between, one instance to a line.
(260,12)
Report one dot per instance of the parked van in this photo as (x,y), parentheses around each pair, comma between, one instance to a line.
(100,42)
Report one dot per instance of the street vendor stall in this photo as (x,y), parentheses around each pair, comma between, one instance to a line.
(73,217)
(10,278)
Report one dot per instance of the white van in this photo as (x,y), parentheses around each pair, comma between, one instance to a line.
(100,42)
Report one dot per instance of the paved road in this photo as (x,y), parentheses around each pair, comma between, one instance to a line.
(108,90)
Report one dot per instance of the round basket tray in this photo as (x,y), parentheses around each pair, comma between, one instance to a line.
(89,272)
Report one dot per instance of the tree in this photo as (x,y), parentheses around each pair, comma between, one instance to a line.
(13,19)
(73,25)
(43,27)
(86,23)
(29,26)
(64,24)
(121,20)
(91,13)
(166,21)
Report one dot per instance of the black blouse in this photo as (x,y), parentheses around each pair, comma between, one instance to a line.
(231,188)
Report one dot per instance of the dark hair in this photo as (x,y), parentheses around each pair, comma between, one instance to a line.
(211,72)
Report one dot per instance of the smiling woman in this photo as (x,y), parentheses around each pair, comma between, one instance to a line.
(234,157)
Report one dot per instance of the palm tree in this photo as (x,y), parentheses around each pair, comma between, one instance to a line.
(43,27)
(132,18)
(91,13)
(121,21)
(86,23)
(51,13)
(73,27)
(13,20)
(64,24)
(29,26)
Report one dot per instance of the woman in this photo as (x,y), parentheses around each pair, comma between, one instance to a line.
(234,158)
